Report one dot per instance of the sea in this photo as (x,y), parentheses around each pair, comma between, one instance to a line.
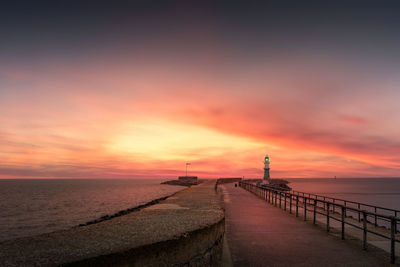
(36,206)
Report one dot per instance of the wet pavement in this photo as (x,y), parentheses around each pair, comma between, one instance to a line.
(259,234)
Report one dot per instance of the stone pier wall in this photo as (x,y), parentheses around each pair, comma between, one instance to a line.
(202,247)
(186,229)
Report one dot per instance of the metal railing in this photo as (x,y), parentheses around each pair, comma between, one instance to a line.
(371,217)
(330,208)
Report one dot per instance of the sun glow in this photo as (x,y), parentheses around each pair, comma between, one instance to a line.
(163,140)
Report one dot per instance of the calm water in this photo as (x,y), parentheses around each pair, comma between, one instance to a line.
(383,192)
(30,207)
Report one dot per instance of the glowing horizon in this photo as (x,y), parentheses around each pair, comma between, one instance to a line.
(119,96)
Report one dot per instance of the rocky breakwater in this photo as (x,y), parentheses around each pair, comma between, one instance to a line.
(184,230)
(184,181)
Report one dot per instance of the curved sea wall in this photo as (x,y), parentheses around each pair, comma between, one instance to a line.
(186,229)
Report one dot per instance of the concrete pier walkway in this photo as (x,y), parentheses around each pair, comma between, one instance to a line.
(186,229)
(259,234)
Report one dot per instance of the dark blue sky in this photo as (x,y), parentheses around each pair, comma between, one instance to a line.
(37,27)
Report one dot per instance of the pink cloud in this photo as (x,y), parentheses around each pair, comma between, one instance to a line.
(14,75)
(355,120)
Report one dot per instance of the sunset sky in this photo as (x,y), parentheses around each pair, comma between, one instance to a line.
(122,90)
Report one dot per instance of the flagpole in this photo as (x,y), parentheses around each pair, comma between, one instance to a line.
(187,163)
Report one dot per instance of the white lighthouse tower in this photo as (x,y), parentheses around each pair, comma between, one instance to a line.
(266,168)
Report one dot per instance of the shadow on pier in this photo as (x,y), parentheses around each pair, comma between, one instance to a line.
(260,234)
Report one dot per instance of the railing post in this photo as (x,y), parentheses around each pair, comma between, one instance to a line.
(269,196)
(290,203)
(297,206)
(364,230)
(280,199)
(393,223)
(285,200)
(305,208)
(327,217)
(276,199)
(315,212)
(343,216)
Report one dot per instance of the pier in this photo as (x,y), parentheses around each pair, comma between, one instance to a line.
(273,228)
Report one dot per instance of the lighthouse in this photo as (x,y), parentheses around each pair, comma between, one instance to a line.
(266,168)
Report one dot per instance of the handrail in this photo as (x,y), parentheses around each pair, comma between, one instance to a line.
(349,201)
(274,196)
(359,208)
